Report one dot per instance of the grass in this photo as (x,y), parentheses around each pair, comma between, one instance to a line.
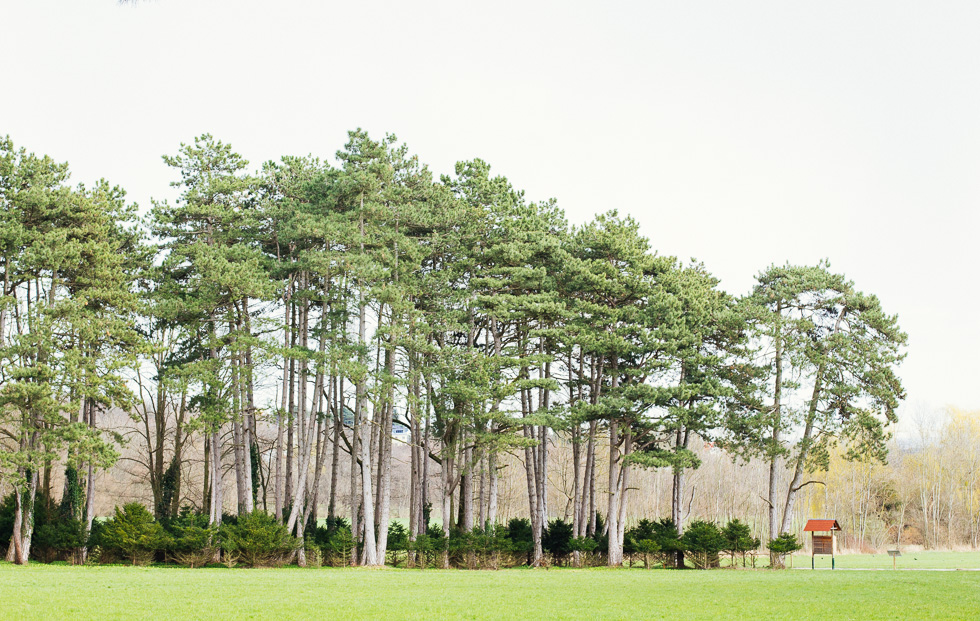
(116,592)
(908,560)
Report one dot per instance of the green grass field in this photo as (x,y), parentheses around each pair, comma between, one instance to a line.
(120,592)
(908,560)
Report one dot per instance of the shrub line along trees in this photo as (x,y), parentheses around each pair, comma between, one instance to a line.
(378,296)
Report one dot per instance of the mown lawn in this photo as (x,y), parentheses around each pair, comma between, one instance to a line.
(120,592)
(929,559)
(908,560)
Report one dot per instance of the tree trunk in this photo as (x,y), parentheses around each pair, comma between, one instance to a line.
(447,494)
(306,427)
(384,476)
(367,495)
(775,464)
(589,482)
(492,501)
(280,419)
(24,521)
(338,421)
(482,498)
(247,384)
(89,481)
(624,476)
(206,489)
(615,549)
(217,495)
(415,483)
(290,428)
(576,485)
(615,543)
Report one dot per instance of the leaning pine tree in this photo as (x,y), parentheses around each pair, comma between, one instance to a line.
(832,350)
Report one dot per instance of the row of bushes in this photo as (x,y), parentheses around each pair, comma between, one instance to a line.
(257,539)
(655,543)
(133,535)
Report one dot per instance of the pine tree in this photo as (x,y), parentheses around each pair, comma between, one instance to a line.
(213,267)
(828,377)
(71,260)
(615,280)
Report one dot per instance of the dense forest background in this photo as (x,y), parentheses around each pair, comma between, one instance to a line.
(362,340)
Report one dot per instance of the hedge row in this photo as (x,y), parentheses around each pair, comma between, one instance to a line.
(257,539)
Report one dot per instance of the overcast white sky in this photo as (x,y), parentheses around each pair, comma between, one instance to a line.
(739,133)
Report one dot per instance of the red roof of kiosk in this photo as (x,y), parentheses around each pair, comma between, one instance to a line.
(821,525)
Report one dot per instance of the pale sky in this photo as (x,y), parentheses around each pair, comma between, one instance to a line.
(738,133)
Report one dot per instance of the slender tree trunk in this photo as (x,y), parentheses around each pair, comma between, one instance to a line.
(217,488)
(530,467)
(415,483)
(322,442)
(541,469)
(624,476)
(306,428)
(367,500)
(283,412)
(615,544)
(177,458)
(424,483)
(384,476)
(775,461)
(482,502)
(89,480)
(677,510)
(156,451)
(5,292)
(384,464)
(447,494)
(466,499)
(247,384)
(206,499)
(355,474)
(576,482)
(589,483)
(492,501)
(239,445)
(290,428)
(369,556)
(338,421)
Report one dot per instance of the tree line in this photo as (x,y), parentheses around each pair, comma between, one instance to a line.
(274,322)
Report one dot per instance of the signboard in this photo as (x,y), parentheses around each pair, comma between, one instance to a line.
(823,544)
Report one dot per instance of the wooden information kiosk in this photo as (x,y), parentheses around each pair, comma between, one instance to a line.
(822,544)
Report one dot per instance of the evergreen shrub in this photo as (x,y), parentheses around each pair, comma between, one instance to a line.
(703,541)
(134,533)
(194,541)
(257,540)
(738,540)
(521,538)
(782,545)
(556,540)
